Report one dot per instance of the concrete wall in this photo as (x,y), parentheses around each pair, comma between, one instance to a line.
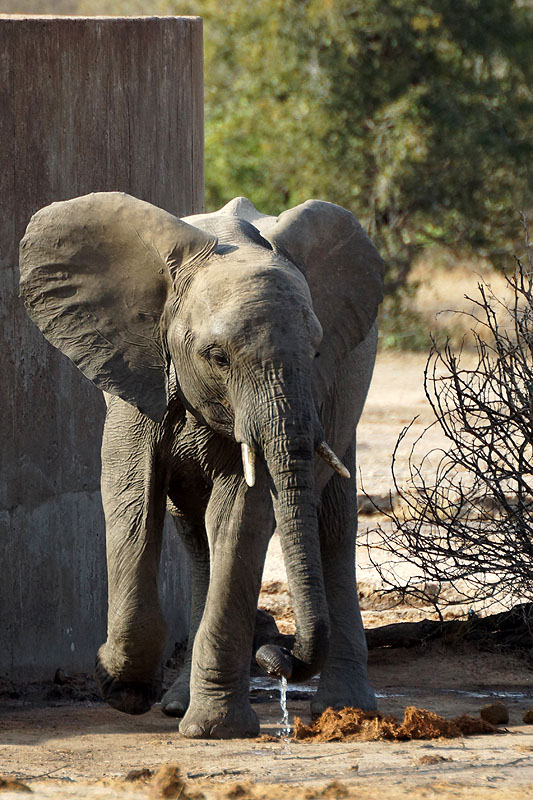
(86,105)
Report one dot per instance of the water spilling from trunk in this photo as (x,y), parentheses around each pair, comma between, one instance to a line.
(285,727)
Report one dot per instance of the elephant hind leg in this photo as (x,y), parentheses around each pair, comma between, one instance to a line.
(194,538)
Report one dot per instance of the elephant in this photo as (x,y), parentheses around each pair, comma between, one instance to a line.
(235,351)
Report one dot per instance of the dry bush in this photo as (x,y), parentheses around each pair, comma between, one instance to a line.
(464,523)
(437,298)
(444,285)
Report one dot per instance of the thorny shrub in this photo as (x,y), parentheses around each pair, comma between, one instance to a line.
(464,518)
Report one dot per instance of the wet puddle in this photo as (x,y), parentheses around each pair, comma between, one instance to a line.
(265,690)
(495,694)
(269,690)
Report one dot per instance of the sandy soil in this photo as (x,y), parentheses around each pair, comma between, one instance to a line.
(88,748)
(66,749)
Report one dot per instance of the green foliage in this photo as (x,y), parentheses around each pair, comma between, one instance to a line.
(401,325)
(415,114)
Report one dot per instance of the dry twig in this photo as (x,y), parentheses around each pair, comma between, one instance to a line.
(465,515)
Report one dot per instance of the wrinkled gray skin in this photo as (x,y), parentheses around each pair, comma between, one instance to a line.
(225,328)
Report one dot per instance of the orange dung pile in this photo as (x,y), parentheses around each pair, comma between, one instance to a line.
(352,724)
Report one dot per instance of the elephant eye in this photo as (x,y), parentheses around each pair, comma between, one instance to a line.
(220,359)
(216,356)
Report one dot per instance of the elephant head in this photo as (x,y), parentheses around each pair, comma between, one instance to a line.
(234,307)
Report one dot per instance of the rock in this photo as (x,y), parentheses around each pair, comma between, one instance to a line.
(495,713)
(528,717)
(60,676)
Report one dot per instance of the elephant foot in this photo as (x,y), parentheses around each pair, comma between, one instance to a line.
(357,695)
(131,697)
(203,722)
(175,701)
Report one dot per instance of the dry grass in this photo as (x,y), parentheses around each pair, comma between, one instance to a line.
(443,291)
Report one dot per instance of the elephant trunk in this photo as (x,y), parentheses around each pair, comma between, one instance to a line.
(289,459)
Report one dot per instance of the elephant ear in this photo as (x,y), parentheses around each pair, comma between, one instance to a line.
(96,273)
(343,269)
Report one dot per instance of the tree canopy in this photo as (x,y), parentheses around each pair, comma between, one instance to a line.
(415,114)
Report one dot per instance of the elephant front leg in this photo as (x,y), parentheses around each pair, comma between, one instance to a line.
(239,523)
(128,666)
(343,681)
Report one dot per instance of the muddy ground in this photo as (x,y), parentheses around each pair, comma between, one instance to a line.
(61,747)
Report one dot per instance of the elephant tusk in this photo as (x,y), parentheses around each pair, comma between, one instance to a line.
(325,452)
(248,463)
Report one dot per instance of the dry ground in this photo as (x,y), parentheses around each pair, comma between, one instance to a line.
(85,749)
(89,748)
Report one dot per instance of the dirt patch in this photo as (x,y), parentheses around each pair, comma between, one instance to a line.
(12,785)
(428,761)
(239,792)
(63,688)
(335,789)
(141,775)
(168,783)
(352,725)
(84,751)
(275,597)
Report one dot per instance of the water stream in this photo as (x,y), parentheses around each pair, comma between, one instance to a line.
(285,727)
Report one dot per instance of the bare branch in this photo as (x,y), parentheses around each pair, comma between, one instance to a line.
(464,520)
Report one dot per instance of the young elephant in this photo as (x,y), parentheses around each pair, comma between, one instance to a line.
(231,346)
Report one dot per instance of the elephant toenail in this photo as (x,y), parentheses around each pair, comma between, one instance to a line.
(193,732)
